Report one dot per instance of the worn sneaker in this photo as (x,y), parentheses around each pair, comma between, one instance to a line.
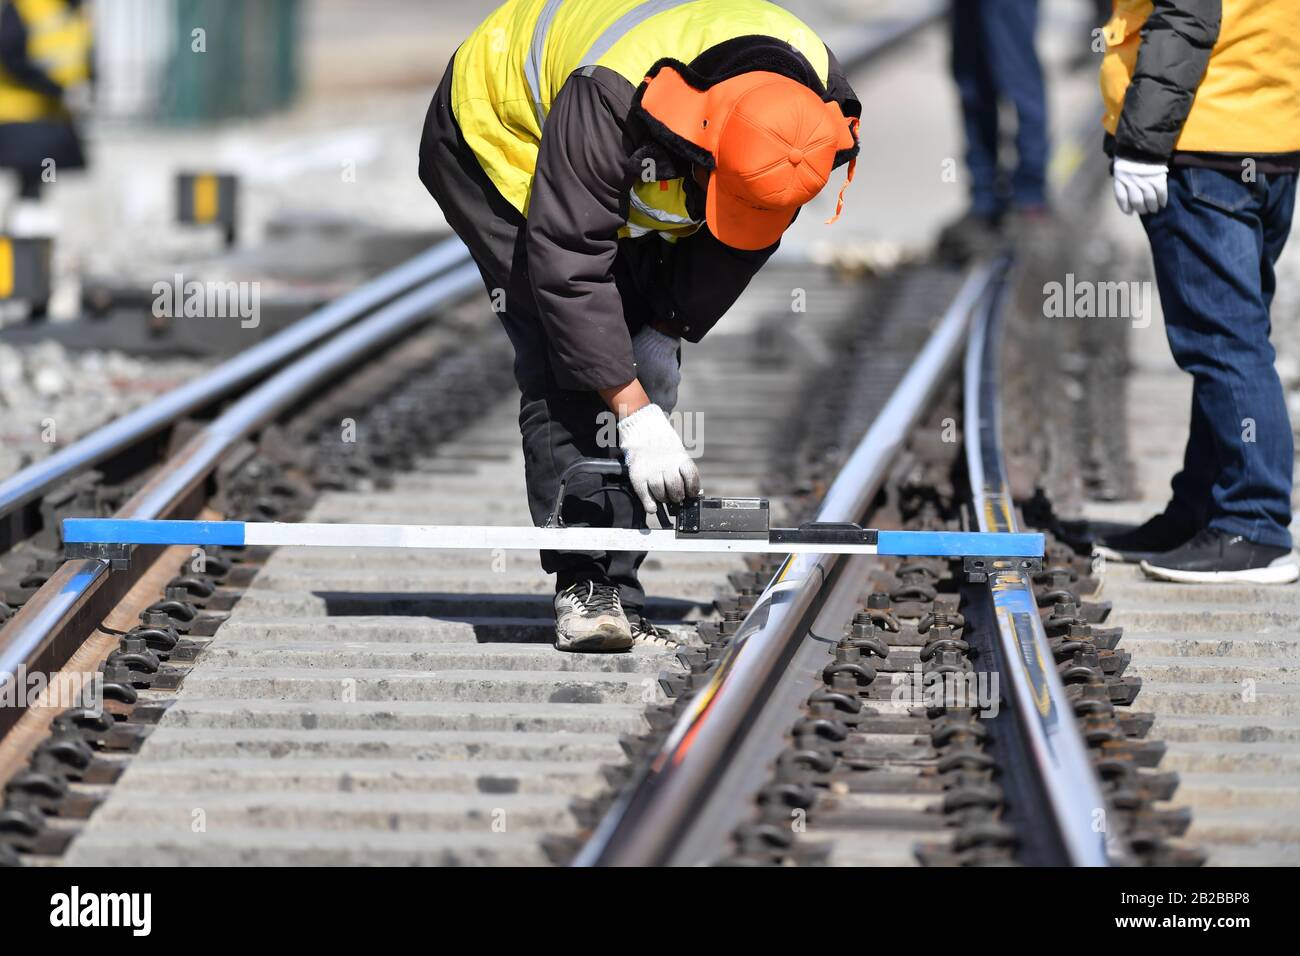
(1156,537)
(589,617)
(1217,557)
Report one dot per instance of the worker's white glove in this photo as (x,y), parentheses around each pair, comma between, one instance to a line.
(657,366)
(656,460)
(1140,187)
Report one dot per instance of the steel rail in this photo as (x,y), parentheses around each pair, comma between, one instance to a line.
(122,433)
(656,821)
(45,631)
(1037,693)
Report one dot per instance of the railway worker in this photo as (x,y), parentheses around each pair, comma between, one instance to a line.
(1203,123)
(44,64)
(620,170)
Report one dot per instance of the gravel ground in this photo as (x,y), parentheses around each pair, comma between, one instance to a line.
(50,396)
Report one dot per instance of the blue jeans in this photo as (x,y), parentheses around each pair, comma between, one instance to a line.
(1214,248)
(994,60)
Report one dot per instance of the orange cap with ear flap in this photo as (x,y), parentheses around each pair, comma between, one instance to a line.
(681,108)
(771,142)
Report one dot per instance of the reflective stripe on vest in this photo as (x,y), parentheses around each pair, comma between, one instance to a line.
(508,72)
(633,18)
(672,224)
(58,43)
(533,65)
(661,216)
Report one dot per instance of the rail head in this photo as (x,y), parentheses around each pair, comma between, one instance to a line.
(1077,807)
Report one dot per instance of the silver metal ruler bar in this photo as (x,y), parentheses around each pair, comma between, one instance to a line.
(80,534)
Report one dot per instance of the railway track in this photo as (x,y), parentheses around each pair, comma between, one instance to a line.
(411,708)
(286,706)
(389,686)
(888,713)
(313,708)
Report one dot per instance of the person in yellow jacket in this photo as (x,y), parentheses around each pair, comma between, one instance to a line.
(45,48)
(1202,118)
(619,170)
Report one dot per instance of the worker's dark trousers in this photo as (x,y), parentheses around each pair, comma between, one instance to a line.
(994,61)
(1214,246)
(558,425)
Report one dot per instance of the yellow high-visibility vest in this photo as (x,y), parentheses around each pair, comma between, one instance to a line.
(1249,99)
(58,41)
(509,71)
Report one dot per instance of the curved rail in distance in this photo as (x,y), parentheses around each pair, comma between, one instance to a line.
(1036,692)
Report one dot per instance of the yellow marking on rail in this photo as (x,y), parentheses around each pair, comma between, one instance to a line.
(1042,695)
(205,198)
(6,269)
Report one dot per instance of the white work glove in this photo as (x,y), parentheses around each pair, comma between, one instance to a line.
(657,367)
(1140,187)
(656,460)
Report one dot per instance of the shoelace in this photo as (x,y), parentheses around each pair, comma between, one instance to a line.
(642,629)
(600,599)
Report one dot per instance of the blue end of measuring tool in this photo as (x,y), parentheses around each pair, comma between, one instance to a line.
(961,544)
(142,531)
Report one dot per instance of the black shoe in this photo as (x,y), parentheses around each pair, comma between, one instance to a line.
(970,236)
(1217,557)
(1158,536)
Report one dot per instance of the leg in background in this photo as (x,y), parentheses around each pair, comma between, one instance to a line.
(978,93)
(1018,76)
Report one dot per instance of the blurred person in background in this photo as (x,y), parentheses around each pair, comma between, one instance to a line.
(1202,123)
(620,170)
(45,69)
(994,62)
